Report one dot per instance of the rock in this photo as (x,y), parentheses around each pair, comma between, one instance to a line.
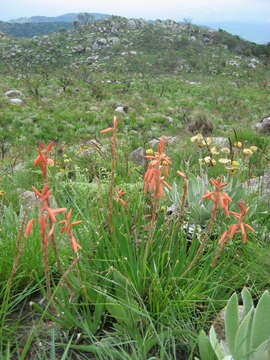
(13,93)
(131,24)
(169,140)
(221,141)
(29,200)
(15,101)
(91,146)
(137,156)
(93,108)
(18,167)
(201,125)
(114,40)
(264,125)
(259,185)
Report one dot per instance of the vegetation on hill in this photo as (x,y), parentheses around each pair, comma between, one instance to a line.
(134,190)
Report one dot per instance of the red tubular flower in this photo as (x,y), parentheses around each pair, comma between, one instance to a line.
(240,226)
(157,170)
(115,124)
(43,158)
(67,228)
(29,227)
(219,198)
(118,197)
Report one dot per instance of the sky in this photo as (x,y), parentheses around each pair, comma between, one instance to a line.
(198,11)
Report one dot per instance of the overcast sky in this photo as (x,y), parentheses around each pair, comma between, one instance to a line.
(200,11)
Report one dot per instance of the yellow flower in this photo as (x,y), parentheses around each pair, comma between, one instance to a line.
(225,150)
(149,151)
(235,163)
(232,170)
(238,144)
(209,161)
(253,148)
(67,160)
(214,151)
(2,193)
(205,142)
(224,161)
(247,152)
(196,138)
(61,170)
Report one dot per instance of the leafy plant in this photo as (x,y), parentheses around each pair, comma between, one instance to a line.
(247,331)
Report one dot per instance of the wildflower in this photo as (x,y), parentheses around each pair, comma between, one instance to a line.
(29,227)
(207,141)
(224,161)
(67,160)
(209,161)
(232,170)
(196,138)
(253,148)
(235,163)
(180,173)
(149,152)
(218,197)
(247,152)
(115,123)
(237,144)
(61,170)
(157,171)
(43,158)
(214,151)
(225,150)
(2,193)
(68,229)
(240,226)
(118,197)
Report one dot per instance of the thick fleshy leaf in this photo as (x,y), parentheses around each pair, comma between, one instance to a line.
(243,337)
(260,331)
(247,300)
(220,353)
(206,350)
(231,322)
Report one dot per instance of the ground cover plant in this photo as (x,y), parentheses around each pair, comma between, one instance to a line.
(107,257)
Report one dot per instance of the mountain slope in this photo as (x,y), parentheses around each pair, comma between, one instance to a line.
(134,45)
(61,18)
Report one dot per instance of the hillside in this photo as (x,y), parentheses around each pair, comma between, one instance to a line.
(134,45)
(61,18)
(33,28)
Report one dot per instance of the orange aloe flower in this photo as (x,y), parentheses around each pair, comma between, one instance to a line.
(44,196)
(43,158)
(233,229)
(118,196)
(115,123)
(219,198)
(157,171)
(240,226)
(67,228)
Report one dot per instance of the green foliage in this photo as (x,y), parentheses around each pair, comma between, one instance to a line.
(247,337)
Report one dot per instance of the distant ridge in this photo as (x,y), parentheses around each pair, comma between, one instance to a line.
(61,18)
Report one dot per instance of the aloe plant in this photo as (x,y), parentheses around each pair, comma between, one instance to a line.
(247,338)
